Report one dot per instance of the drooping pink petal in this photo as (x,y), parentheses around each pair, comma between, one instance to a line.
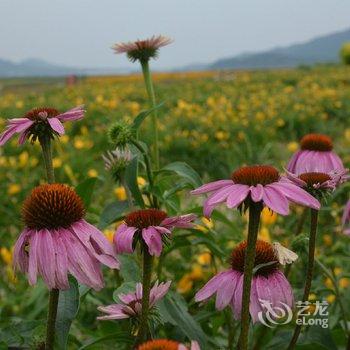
(255,305)
(158,292)
(73,114)
(96,243)
(211,186)
(61,264)
(56,125)
(238,194)
(81,264)
(153,239)
(257,192)
(20,124)
(182,221)
(211,286)
(297,195)
(123,239)
(46,258)
(33,258)
(226,289)
(236,301)
(221,195)
(207,209)
(20,256)
(275,200)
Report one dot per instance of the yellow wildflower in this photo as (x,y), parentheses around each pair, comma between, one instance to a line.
(330,298)
(268,217)
(185,284)
(204,258)
(109,234)
(327,240)
(13,189)
(141,181)
(264,234)
(344,282)
(56,162)
(6,255)
(293,146)
(92,173)
(23,159)
(120,193)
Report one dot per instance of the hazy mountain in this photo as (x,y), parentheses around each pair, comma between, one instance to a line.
(319,50)
(39,68)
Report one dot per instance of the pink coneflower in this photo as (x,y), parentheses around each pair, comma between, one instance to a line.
(315,155)
(40,121)
(346,218)
(131,304)
(142,50)
(260,183)
(57,240)
(268,284)
(319,181)
(166,344)
(150,225)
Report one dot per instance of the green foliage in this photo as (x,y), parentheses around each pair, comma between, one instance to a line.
(345,53)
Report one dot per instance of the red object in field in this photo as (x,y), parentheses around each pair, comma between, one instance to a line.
(71,80)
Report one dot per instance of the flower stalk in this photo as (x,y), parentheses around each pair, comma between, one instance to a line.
(45,142)
(309,273)
(253,229)
(151,95)
(146,287)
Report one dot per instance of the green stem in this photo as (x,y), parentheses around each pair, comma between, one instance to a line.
(148,171)
(51,319)
(150,91)
(128,194)
(146,288)
(253,229)
(45,143)
(231,330)
(309,273)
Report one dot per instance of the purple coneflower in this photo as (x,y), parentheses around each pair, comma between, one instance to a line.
(150,225)
(39,121)
(346,218)
(166,344)
(261,183)
(57,240)
(131,304)
(142,50)
(315,155)
(268,283)
(319,181)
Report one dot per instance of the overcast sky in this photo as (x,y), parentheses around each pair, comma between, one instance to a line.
(80,32)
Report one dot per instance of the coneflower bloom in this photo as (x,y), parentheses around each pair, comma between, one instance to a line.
(38,121)
(57,240)
(268,284)
(260,183)
(131,304)
(346,218)
(166,344)
(315,155)
(319,181)
(142,50)
(150,225)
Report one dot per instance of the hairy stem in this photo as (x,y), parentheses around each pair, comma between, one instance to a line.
(45,143)
(146,288)
(253,229)
(150,91)
(51,319)
(309,273)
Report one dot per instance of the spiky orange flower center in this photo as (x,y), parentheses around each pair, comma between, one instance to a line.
(52,206)
(39,114)
(314,178)
(160,344)
(316,142)
(264,255)
(145,218)
(254,175)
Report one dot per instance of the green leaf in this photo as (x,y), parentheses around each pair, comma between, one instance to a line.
(130,270)
(131,182)
(85,190)
(117,337)
(68,306)
(184,171)
(142,116)
(173,309)
(112,212)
